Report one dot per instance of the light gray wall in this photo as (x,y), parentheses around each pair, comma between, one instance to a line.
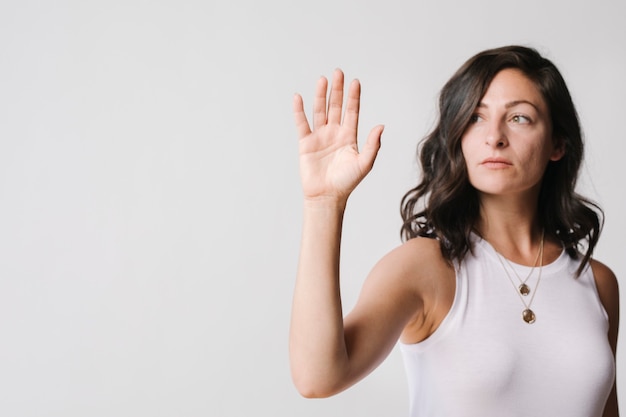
(149,191)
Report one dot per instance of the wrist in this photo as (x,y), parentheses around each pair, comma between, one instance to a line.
(325,203)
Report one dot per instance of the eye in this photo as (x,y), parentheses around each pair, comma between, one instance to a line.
(475,118)
(521,119)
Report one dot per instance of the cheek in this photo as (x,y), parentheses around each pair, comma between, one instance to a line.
(537,162)
(465,148)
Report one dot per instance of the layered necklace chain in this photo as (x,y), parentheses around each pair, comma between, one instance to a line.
(523,290)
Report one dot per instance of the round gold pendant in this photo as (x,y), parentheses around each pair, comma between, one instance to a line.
(524,289)
(528,315)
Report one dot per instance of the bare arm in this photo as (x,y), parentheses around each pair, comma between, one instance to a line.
(328,355)
(608,289)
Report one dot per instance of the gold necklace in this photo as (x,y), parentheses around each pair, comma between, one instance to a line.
(527,314)
(523,288)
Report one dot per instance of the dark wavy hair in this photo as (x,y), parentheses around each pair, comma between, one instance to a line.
(444,205)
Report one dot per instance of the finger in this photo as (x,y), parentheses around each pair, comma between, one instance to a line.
(319,104)
(351,118)
(336,98)
(370,149)
(302,124)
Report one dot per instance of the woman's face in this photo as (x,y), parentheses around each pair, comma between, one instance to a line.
(508,143)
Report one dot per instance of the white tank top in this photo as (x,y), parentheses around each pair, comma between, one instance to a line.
(484,360)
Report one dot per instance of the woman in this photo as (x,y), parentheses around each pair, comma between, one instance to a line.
(494,297)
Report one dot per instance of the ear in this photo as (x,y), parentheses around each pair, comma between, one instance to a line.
(559,149)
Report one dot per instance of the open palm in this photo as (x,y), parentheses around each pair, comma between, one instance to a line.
(331,165)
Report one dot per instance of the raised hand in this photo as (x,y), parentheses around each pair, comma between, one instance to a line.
(331,165)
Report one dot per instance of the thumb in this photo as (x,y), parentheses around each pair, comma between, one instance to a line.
(370,149)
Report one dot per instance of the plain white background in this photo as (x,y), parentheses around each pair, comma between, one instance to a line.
(149,194)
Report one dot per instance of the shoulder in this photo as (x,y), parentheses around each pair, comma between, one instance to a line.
(401,284)
(410,270)
(418,258)
(608,290)
(428,277)
(605,279)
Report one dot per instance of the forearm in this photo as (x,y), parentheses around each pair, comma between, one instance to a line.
(317,346)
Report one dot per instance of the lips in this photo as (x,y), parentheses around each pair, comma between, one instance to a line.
(496,162)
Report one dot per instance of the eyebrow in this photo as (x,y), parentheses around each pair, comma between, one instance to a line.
(512,104)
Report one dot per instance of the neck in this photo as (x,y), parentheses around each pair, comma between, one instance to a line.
(511,226)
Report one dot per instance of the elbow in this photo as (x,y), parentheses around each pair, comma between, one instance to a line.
(317,378)
(309,386)
(313,391)
(310,393)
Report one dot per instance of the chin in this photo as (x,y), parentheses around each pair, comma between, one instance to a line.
(497,187)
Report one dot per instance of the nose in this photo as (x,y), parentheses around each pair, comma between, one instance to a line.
(496,135)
